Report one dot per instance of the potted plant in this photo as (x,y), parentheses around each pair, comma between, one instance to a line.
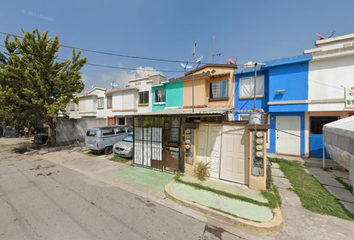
(201,171)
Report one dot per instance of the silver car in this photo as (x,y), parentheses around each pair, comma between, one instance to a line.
(103,138)
(125,147)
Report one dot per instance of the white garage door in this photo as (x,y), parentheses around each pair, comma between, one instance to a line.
(288,139)
(208,146)
(234,161)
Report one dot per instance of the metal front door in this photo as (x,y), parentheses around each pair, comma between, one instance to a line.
(288,140)
(148,147)
(234,150)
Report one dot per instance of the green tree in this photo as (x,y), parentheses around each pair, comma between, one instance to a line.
(34,85)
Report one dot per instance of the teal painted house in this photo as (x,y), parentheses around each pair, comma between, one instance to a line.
(167,94)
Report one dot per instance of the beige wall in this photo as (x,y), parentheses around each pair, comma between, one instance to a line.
(202,85)
(199,92)
(227,103)
(341,114)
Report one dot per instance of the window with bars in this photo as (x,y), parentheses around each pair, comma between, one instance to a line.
(247,87)
(219,89)
(100,102)
(160,96)
(144,97)
(121,121)
(109,101)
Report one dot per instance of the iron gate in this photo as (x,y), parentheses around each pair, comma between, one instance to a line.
(148,147)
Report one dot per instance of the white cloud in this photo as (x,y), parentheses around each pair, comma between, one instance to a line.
(121,78)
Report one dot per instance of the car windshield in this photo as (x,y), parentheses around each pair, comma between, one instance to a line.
(128,138)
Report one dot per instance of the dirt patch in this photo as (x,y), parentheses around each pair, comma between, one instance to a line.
(36,168)
(49,166)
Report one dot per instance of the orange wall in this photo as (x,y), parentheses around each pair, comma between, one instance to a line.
(201,89)
(199,92)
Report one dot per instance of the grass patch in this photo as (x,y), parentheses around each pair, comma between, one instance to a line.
(312,194)
(346,185)
(216,209)
(116,158)
(272,199)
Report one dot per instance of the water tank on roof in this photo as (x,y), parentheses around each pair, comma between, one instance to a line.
(248,64)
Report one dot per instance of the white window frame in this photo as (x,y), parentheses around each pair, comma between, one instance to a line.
(260,87)
(72,106)
(157,97)
(216,86)
(101,99)
(111,100)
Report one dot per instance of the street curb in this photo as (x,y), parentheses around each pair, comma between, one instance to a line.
(273,226)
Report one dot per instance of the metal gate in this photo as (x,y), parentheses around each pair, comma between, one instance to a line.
(148,147)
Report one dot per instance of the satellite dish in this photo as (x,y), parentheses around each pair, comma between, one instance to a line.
(148,73)
(321,37)
(114,85)
(92,86)
(199,59)
(185,66)
(230,61)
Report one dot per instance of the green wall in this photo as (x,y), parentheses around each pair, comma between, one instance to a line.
(174,95)
(157,106)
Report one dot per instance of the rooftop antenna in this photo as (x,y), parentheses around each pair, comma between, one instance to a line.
(185,66)
(212,52)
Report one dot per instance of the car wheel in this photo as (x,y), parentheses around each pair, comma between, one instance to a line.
(108,150)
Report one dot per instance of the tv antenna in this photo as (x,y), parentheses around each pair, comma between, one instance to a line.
(212,52)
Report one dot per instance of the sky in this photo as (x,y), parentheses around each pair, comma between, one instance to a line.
(256,31)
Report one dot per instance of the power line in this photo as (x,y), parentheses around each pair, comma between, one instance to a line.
(117,54)
(123,68)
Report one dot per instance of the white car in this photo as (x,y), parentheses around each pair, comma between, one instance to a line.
(125,147)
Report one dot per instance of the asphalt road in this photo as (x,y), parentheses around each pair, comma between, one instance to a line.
(41,200)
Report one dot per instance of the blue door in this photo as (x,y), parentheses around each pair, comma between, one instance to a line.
(316,146)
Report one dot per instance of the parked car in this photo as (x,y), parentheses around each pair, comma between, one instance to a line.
(41,138)
(103,138)
(125,147)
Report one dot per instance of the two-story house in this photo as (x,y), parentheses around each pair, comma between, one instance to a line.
(301,94)
(331,72)
(90,105)
(135,97)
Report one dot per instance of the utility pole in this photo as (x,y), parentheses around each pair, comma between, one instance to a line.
(193,54)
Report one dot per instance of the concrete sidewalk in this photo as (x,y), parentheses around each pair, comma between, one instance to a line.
(327,179)
(251,216)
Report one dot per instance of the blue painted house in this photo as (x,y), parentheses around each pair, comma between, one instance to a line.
(282,91)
